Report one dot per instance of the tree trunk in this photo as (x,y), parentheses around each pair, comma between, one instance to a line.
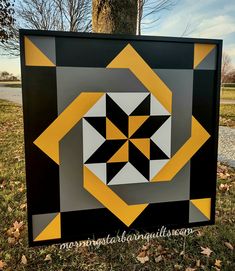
(114,16)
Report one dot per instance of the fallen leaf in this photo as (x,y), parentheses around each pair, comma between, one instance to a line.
(11,240)
(21,189)
(218,263)
(10,231)
(158,258)
(190,269)
(2,264)
(143,259)
(200,233)
(16,233)
(17,225)
(23,260)
(182,253)
(142,254)
(224,187)
(23,206)
(228,245)
(9,209)
(198,263)
(48,257)
(206,251)
(177,267)
(145,247)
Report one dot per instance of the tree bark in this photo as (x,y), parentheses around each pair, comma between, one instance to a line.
(114,16)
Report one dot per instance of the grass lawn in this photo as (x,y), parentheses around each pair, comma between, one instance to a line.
(175,253)
(228,93)
(227,115)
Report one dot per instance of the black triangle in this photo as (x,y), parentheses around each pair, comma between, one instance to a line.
(99,123)
(143,108)
(105,151)
(115,113)
(139,160)
(150,126)
(156,153)
(113,169)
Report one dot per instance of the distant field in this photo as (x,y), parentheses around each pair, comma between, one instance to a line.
(10,84)
(228,93)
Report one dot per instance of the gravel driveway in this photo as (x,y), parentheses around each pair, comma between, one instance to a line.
(226,134)
(227,145)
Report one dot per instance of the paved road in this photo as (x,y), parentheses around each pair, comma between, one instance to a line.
(224,101)
(226,134)
(11,94)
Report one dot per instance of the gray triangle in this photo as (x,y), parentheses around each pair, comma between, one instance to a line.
(195,215)
(40,222)
(180,83)
(209,62)
(46,45)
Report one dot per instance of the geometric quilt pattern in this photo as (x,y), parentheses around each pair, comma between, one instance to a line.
(126,138)
(118,131)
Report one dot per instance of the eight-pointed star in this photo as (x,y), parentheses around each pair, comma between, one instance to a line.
(127,138)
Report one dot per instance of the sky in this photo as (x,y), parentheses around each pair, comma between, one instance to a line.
(204,18)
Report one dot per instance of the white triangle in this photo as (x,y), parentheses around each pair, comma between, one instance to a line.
(92,140)
(156,108)
(162,137)
(128,101)
(156,166)
(128,174)
(99,169)
(98,109)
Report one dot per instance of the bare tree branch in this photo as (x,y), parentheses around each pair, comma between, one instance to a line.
(148,9)
(226,68)
(6,20)
(63,15)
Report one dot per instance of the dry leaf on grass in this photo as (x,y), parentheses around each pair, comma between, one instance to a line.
(224,187)
(9,209)
(158,258)
(11,240)
(198,263)
(200,233)
(206,251)
(218,263)
(48,257)
(177,267)
(142,257)
(23,206)
(2,264)
(190,269)
(228,245)
(23,260)
(16,233)
(18,225)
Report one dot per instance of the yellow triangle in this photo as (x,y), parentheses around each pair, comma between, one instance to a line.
(135,122)
(112,132)
(121,155)
(52,230)
(143,144)
(34,56)
(201,51)
(204,205)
